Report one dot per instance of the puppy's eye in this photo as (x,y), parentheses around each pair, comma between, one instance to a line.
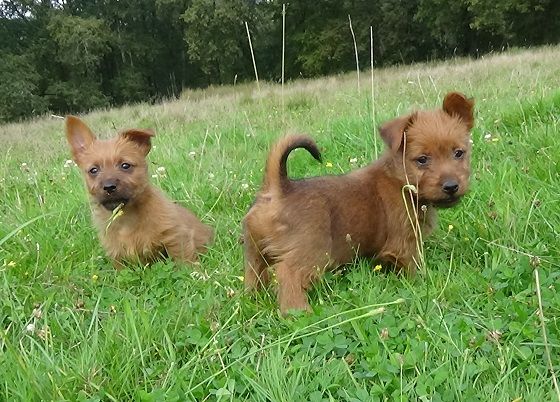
(125,166)
(422,160)
(93,171)
(459,153)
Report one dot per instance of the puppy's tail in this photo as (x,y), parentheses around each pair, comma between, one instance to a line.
(276,175)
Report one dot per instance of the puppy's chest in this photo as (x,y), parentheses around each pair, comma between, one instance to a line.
(131,240)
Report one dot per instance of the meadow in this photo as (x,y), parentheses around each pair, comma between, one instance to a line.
(469,327)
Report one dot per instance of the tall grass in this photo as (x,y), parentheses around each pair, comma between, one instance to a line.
(73,328)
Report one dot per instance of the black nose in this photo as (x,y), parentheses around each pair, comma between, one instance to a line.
(450,187)
(110,186)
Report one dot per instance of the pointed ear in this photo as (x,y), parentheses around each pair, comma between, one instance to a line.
(79,136)
(457,104)
(392,132)
(141,137)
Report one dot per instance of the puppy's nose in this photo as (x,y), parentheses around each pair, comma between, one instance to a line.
(109,186)
(450,187)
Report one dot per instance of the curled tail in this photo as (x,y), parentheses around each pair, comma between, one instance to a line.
(276,175)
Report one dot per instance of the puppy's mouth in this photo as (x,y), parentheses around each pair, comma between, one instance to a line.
(446,202)
(111,204)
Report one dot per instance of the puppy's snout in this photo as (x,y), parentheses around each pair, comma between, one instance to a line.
(450,187)
(110,186)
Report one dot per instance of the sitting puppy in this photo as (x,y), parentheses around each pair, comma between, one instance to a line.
(303,227)
(134,220)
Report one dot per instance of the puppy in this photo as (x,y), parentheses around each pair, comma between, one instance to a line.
(303,227)
(134,220)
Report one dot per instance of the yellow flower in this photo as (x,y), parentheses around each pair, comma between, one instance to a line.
(328,164)
(450,228)
(94,277)
(377,268)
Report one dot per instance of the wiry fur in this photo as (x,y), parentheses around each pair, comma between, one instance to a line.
(151,226)
(303,227)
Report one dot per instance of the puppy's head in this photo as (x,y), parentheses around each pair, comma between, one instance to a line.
(115,170)
(432,149)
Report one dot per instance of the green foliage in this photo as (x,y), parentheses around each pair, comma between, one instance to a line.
(81,42)
(465,329)
(19,89)
(147,50)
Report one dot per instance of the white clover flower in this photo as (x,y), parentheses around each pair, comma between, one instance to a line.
(30,327)
(487,136)
(160,170)
(244,186)
(353,160)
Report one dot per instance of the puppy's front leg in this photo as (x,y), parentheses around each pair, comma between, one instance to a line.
(402,262)
(182,250)
(117,264)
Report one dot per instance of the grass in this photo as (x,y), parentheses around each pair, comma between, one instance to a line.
(72,328)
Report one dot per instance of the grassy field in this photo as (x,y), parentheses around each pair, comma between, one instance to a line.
(468,328)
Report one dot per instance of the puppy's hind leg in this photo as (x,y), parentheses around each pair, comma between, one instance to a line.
(291,290)
(256,266)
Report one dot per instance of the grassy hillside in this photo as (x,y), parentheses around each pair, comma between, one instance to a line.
(468,328)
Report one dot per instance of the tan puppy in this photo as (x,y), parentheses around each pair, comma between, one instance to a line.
(303,227)
(149,226)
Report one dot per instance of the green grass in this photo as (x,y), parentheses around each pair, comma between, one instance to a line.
(466,329)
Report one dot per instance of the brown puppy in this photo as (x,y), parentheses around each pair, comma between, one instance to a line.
(149,226)
(306,226)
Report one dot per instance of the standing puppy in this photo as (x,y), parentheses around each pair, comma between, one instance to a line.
(303,227)
(134,220)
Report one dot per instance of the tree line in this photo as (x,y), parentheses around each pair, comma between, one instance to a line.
(66,56)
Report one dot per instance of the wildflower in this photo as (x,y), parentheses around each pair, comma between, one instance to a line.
(488,136)
(244,186)
(30,327)
(353,160)
(161,170)
(94,278)
(494,335)
(69,163)
(329,164)
(377,268)
(384,334)
(450,228)
(44,332)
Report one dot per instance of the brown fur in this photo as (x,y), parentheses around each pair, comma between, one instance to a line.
(304,227)
(151,226)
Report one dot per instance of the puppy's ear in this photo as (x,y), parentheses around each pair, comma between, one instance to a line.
(79,136)
(392,132)
(457,104)
(141,137)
